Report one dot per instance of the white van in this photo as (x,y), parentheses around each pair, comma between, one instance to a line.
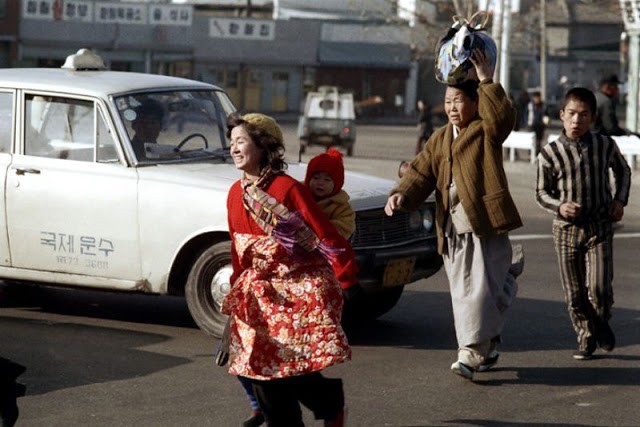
(328,120)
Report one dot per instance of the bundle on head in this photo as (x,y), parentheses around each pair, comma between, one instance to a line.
(455,48)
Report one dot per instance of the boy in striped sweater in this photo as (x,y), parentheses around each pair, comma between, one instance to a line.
(574,185)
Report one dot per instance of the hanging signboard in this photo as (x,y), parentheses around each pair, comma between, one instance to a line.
(630,15)
(102,12)
(247,29)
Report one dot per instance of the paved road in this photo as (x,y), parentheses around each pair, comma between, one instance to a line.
(103,359)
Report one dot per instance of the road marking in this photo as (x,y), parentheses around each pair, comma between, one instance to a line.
(548,236)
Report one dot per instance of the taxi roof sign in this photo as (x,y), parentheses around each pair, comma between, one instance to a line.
(84,60)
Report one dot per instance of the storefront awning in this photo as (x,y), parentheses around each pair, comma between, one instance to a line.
(364,55)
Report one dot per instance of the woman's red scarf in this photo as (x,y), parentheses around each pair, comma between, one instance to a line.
(288,228)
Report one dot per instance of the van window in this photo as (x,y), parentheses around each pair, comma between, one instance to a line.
(6,121)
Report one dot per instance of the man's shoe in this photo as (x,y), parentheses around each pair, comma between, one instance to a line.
(517,260)
(489,362)
(463,370)
(255,420)
(605,337)
(582,354)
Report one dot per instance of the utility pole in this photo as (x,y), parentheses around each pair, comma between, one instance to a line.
(505,62)
(631,17)
(496,34)
(543,49)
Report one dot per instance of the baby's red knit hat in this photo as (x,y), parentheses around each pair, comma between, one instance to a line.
(331,163)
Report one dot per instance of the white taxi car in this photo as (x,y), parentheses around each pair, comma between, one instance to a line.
(118,181)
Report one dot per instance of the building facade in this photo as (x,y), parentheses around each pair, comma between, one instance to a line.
(265,64)
(9,24)
(270,55)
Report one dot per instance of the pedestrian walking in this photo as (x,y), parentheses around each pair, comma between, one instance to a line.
(537,118)
(574,185)
(521,103)
(606,119)
(291,268)
(463,164)
(425,124)
(324,178)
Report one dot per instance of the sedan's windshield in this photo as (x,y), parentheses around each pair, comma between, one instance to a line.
(175,125)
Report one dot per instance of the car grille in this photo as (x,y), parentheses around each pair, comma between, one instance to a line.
(374,229)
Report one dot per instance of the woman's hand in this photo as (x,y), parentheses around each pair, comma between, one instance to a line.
(394,202)
(480,61)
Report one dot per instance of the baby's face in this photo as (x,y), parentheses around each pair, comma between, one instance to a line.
(321,185)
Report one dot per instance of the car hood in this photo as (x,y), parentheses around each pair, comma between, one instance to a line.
(365,191)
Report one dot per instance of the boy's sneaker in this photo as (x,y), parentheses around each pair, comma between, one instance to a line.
(489,362)
(605,337)
(517,260)
(585,353)
(463,370)
(582,354)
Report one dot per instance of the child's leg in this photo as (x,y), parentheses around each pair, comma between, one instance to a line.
(248,389)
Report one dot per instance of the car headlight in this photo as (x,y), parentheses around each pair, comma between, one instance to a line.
(427,219)
(415,220)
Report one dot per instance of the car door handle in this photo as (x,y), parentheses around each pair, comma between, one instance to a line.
(22,171)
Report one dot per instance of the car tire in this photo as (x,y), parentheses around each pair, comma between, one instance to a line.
(207,285)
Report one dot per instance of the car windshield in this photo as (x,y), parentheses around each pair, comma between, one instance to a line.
(176,125)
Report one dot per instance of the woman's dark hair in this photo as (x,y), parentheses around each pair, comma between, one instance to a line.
(469,88)
(272,147)
(581,94)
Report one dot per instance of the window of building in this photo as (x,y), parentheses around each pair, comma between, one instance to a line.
(232,79)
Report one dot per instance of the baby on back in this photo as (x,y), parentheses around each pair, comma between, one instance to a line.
(325,177)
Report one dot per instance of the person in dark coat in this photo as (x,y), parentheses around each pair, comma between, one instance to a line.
(425,124)
(537,118)
(606,122)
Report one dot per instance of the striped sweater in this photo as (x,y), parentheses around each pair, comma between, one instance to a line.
(578,171)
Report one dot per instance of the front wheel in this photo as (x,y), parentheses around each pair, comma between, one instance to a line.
(207,285)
